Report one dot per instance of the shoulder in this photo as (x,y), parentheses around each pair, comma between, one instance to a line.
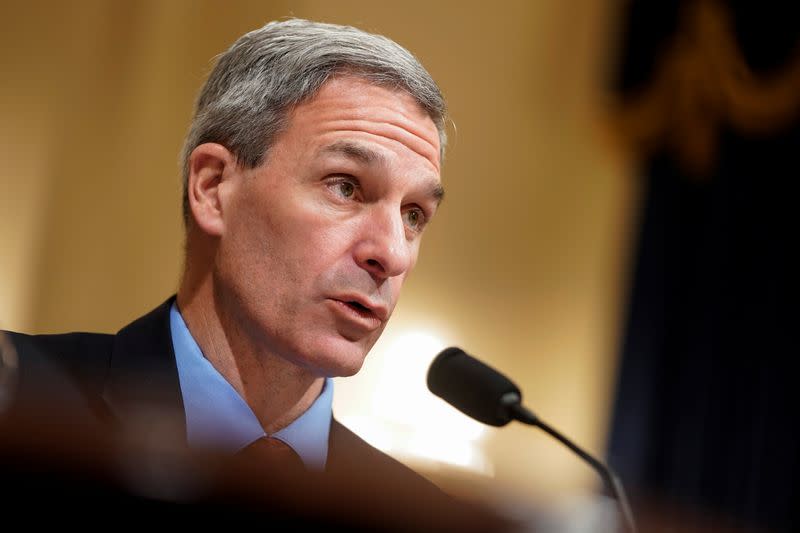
(61,344)
(61,374)
(82,355)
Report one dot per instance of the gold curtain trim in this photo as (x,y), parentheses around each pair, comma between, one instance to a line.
(704,81)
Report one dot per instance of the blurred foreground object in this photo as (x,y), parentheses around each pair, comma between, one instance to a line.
(59,454)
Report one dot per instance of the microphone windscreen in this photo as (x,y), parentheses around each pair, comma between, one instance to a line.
(471,386)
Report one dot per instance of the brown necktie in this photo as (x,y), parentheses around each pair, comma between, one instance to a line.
(271,451)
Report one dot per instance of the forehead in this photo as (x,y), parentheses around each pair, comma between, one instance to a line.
(355,106)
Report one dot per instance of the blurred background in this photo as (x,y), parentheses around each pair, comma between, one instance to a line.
(621,183)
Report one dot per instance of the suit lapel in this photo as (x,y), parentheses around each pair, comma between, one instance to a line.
(348,454)
(142,389)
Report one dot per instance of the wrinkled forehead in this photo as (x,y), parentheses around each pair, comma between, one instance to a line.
(353,104)
(368,78)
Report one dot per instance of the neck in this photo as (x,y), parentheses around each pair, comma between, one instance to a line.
(276,390)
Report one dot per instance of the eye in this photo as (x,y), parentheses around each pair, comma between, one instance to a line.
(344,187)
(415,219)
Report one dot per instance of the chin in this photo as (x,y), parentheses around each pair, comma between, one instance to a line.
(338,358)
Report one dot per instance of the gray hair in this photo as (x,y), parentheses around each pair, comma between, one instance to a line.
(246,100)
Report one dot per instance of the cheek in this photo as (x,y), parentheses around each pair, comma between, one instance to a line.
(322,241)
(263,233)
(294,244)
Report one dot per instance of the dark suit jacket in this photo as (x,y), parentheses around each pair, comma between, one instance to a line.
(128,383)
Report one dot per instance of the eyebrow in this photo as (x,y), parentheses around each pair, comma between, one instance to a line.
(437,193)
(355,151)
(364,155)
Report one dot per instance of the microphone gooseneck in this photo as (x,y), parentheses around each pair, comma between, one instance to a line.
(481,392)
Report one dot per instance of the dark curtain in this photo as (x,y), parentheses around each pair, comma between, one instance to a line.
(706,415)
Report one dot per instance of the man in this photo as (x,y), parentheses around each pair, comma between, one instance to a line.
(311,169)
(307,189)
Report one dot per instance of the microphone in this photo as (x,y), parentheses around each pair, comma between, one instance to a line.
(483,393)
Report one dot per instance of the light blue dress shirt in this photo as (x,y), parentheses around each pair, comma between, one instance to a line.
(217,417)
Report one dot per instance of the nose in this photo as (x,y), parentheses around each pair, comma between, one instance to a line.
(383,249)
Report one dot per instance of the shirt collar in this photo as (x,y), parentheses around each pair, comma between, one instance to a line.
(218,418)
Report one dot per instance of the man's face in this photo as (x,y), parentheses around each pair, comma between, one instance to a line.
(319,239)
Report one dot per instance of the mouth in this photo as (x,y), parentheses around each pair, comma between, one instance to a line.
(359,310)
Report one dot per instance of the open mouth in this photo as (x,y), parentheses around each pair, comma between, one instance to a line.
(360,309)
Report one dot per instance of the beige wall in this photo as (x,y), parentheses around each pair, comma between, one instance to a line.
(525,266)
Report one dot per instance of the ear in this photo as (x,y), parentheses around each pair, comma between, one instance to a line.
(209,165)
